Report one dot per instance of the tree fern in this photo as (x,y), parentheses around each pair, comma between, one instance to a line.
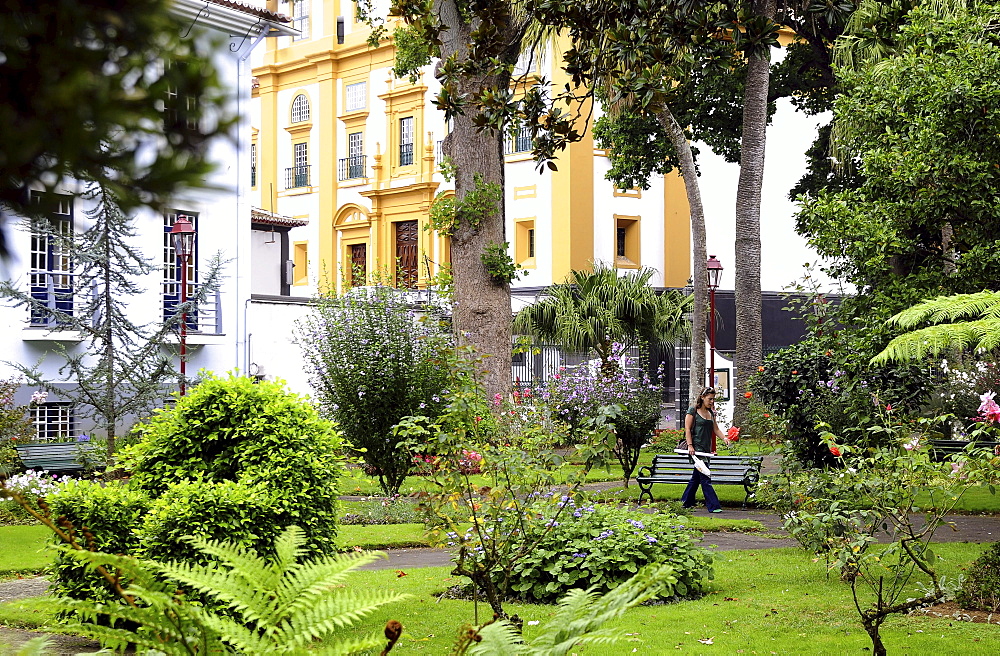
(283,606)
(578,620)
(948,332)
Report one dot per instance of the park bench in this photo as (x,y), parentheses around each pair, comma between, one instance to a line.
(676,469)
(941,450)
(54,456)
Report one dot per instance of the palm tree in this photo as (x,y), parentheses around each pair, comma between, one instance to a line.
(980,331)
(608,313)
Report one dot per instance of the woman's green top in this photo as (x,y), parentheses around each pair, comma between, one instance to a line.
(702,430)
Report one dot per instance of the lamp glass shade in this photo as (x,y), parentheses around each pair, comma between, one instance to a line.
(714,272)
(183,233)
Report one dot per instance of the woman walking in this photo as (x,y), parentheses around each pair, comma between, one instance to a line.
(699,428)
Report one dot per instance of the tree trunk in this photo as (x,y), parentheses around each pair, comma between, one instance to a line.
(749,343)
(700,256)
(481,315)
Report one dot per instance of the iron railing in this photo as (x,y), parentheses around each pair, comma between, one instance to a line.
(351,168)
(205,318)
(297,176)
(520,142)
(405,154)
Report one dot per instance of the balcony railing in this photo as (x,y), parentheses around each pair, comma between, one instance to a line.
(204,318)
(405,154)
(438,153)
(351,168)
(517,143)
(297,176)
(55,291)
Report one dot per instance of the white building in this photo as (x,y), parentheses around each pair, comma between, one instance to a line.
(220,211)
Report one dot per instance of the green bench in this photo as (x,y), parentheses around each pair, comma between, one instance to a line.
(54,456)
(677,469)
(941,450)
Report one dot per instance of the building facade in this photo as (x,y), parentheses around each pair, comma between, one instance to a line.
(342,143)
(217,328)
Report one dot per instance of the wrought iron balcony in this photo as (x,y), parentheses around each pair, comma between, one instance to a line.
(517,143)
(297,176)
(405,154)
(351,168)
(204,317)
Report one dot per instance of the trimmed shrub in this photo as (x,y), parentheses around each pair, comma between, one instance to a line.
(603,546)
(228,511)
(981,588)
(256,434)
(105,518)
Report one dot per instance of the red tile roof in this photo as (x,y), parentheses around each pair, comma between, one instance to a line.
(264,217)
(253,11)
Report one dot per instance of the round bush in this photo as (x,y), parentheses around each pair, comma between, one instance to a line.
(258,436)
(981,588)
(602,546)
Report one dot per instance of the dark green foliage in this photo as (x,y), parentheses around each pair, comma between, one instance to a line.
(602,546)
(79,74)
(234,430)
(105,518)
(981,588)
(828,379)
(822,173)
(372,363)
(921,124)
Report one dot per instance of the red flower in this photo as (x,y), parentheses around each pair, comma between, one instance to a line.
(748,394)
(479,418)
(766,415)
(835,451)
(733,434)
(888,407)
(760,368)
(795,371)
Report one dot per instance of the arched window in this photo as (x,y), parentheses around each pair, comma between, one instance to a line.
(300,108)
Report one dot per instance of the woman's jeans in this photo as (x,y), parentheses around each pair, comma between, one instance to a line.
(691,491)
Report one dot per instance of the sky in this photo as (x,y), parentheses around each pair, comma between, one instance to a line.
(783,252)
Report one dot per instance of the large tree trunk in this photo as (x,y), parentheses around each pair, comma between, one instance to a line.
(481,314)
(700,256)
(749,346)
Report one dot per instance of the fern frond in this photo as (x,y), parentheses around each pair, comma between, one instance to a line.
(500,638)
(934,340)
(35,647)
(303,583)
(983,304)
(241,562)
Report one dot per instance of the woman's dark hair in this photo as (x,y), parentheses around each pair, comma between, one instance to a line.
(700,401)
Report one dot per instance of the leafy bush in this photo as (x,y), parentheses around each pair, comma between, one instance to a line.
(820,380)
(372,362)
(230,510)
(981,588)
(14,427)
(602,546)
(104,518)
(259,435)
(575,395)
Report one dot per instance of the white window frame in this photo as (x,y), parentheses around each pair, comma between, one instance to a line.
(356,96)
(300,108)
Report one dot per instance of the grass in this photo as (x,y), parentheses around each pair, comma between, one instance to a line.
(774,601)
(23,550)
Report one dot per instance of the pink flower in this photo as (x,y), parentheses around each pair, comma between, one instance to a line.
(912,444)
(497,399)
(989,408)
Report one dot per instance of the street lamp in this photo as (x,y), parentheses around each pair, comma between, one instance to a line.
(714,276)
(183,235)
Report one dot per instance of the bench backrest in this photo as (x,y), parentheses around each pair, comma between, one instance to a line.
(57,456)
(724,468)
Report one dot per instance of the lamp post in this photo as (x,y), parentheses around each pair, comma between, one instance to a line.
(714,275)
(183,235)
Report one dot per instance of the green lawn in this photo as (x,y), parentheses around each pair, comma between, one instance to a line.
(22,549)
(767,601)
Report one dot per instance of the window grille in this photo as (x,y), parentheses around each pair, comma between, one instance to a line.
(300,19)
(300,109)
(357,96)
(406,141)
(53,422)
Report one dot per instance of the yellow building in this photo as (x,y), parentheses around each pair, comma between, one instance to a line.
(341,143)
